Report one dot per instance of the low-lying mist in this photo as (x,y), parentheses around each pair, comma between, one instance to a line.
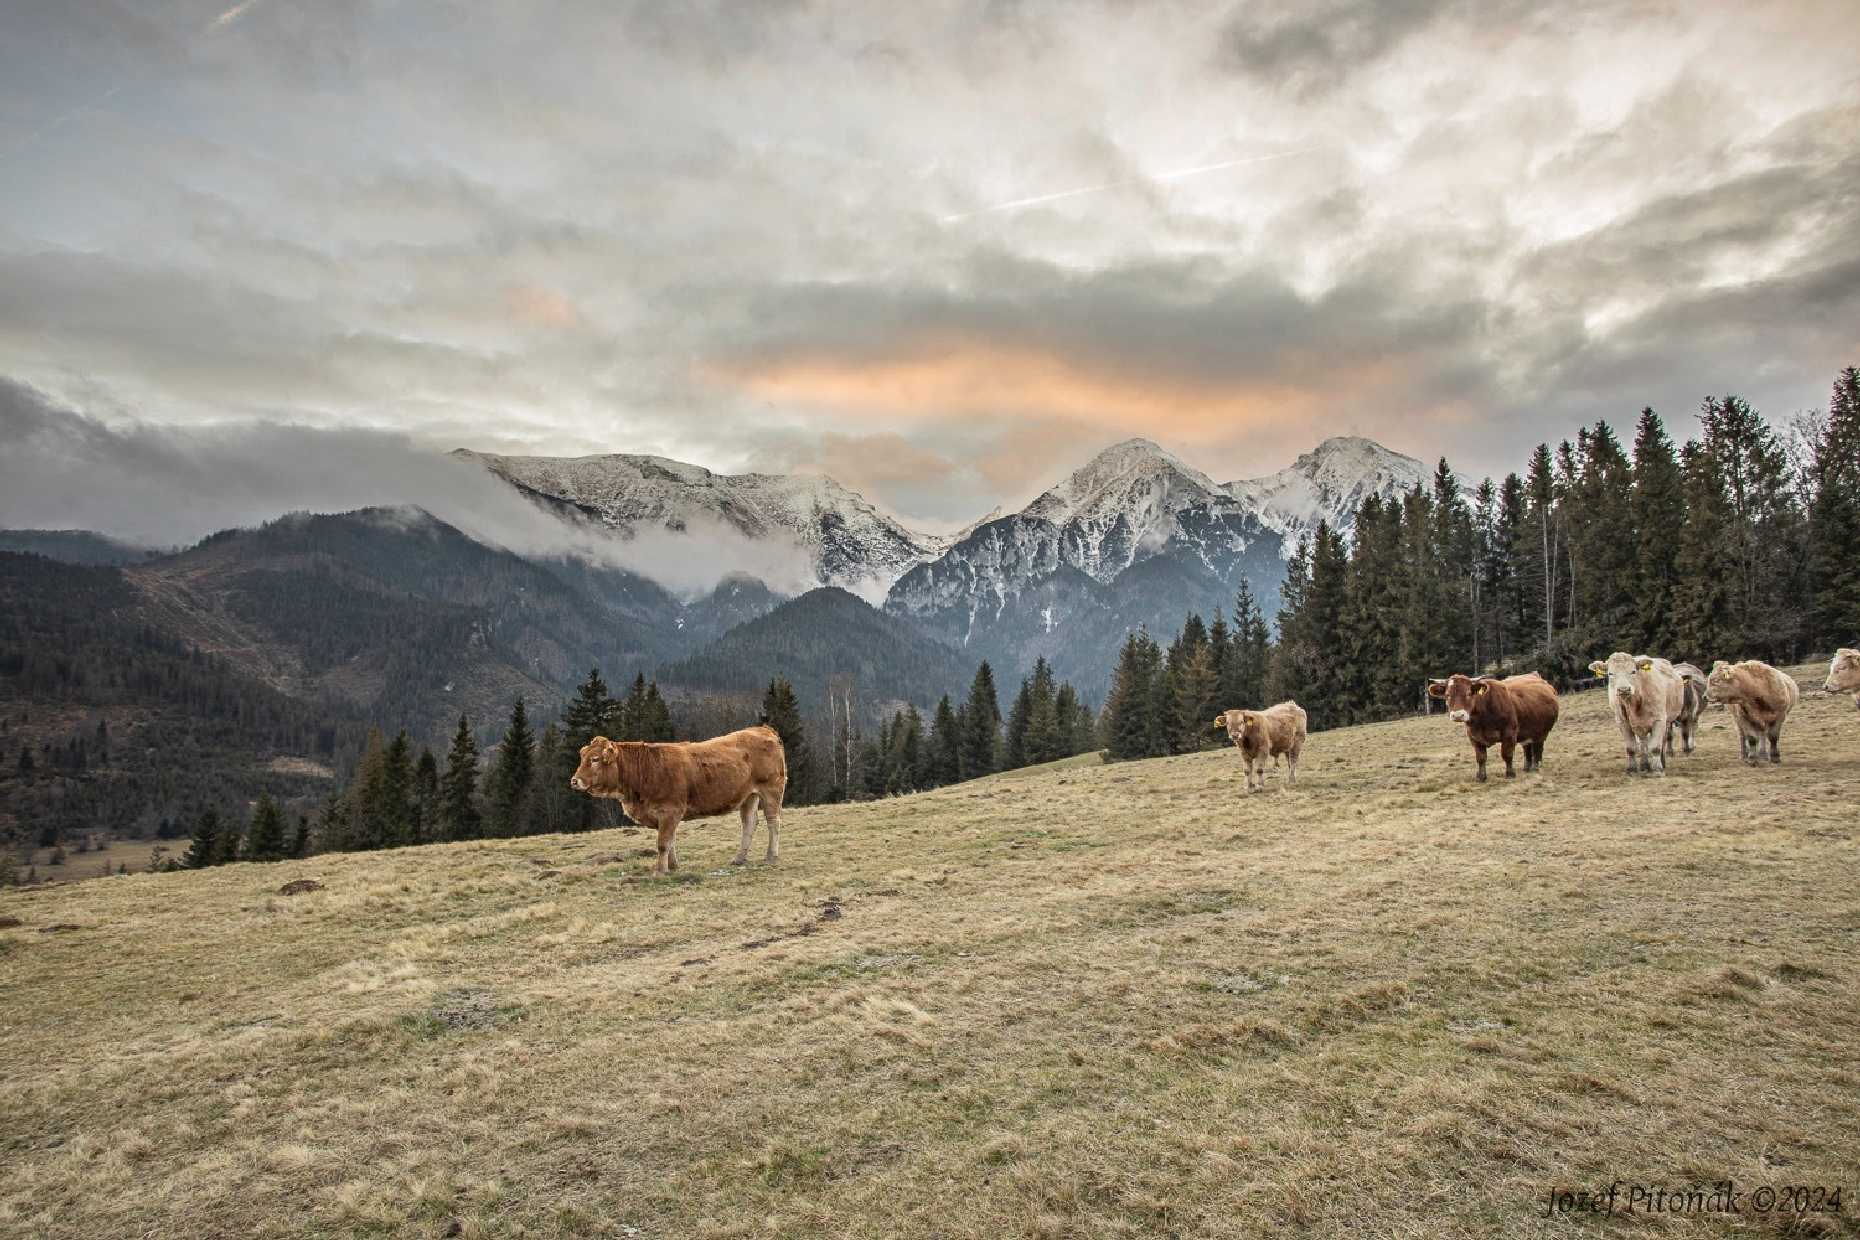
(163,485)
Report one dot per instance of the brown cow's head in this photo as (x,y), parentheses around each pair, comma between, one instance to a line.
(1844,672)
(1458,692)
(1243,726)
(1620,670)
(599,772)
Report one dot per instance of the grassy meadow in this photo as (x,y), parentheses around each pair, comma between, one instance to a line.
(1083,1001)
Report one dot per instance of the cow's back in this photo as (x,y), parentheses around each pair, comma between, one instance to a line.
(1534,701)
(1285,727)
(721,773)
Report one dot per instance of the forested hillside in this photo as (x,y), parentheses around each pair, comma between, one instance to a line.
(109,724)
(824,638)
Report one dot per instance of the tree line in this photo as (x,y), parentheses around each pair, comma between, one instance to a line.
(1741,543)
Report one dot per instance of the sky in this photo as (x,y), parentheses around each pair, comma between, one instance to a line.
(943,252)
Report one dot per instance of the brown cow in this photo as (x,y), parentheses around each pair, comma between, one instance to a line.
(1262,734)
(1690,708)
(1844,673)
(661,785)
(1517,710)
(1759,698)
(1647,697)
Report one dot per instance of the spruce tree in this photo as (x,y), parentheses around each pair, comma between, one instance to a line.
(300,839)
(781,710)
(204,848)
(424,816)
(1833,567)
(590,714)
(1020,715)
(459,818)
(507,789)
(1659,510)
(395,810)
(265,839)
(981,740)
(655,717)
(1045,742)
(1129,726)
(945,745)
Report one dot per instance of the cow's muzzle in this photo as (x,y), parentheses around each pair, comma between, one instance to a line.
(1458,716)
(574,781)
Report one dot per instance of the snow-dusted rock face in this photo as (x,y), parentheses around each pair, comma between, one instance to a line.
(1046,580)
(848,541)
(1326,484)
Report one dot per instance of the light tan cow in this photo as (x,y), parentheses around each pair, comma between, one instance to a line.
(1262,734)
(1648,697)
(1759,698)
(1690,708)
(1844,674)
(661,785)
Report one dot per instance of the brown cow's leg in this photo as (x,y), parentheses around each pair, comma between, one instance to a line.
(1506,747)
(1479,752)
(771,814)
(668,840)
(748,811)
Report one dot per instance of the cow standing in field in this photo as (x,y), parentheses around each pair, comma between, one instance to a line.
(1647,697)
(1262,734)
(1517,710)
(661,785)
(1844,674)
(1690,706)
(1759,698)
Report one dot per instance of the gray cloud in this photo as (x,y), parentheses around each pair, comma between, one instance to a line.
(717,231)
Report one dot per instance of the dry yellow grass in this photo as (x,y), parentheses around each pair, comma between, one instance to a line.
(1091,1001)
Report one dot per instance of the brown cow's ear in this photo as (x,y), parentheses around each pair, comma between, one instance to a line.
(1436,688)
(1481,687)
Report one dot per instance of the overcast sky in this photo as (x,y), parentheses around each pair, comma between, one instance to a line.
(843,238)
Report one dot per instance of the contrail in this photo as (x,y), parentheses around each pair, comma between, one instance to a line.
(1176,175)
(231,15)
(219,23)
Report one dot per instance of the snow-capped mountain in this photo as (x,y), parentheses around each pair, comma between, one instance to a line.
(1036,582)
(847,541)
(1135,536)
(1326,484)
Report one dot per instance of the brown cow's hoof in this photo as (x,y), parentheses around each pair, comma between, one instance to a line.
(1480,777)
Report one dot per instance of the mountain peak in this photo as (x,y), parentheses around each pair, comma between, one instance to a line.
(1326,484)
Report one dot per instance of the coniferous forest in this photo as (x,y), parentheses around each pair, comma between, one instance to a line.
(1743,542)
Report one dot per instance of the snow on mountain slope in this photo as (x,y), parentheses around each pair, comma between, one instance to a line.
(844,540)
(1023,582)
(1326,484)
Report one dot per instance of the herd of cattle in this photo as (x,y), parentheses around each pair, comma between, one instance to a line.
(1654,702)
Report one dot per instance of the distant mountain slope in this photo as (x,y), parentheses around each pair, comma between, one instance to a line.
(821,635)
(406,616)
(1327,484)
(846,541)
(73,546)
(1049,580)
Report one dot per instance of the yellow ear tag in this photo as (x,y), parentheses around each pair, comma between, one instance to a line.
(1645,665)
(1481,689)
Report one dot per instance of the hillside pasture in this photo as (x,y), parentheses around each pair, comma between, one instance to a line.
(1094,1000)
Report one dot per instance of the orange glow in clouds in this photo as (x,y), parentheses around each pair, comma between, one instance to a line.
(990,380)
